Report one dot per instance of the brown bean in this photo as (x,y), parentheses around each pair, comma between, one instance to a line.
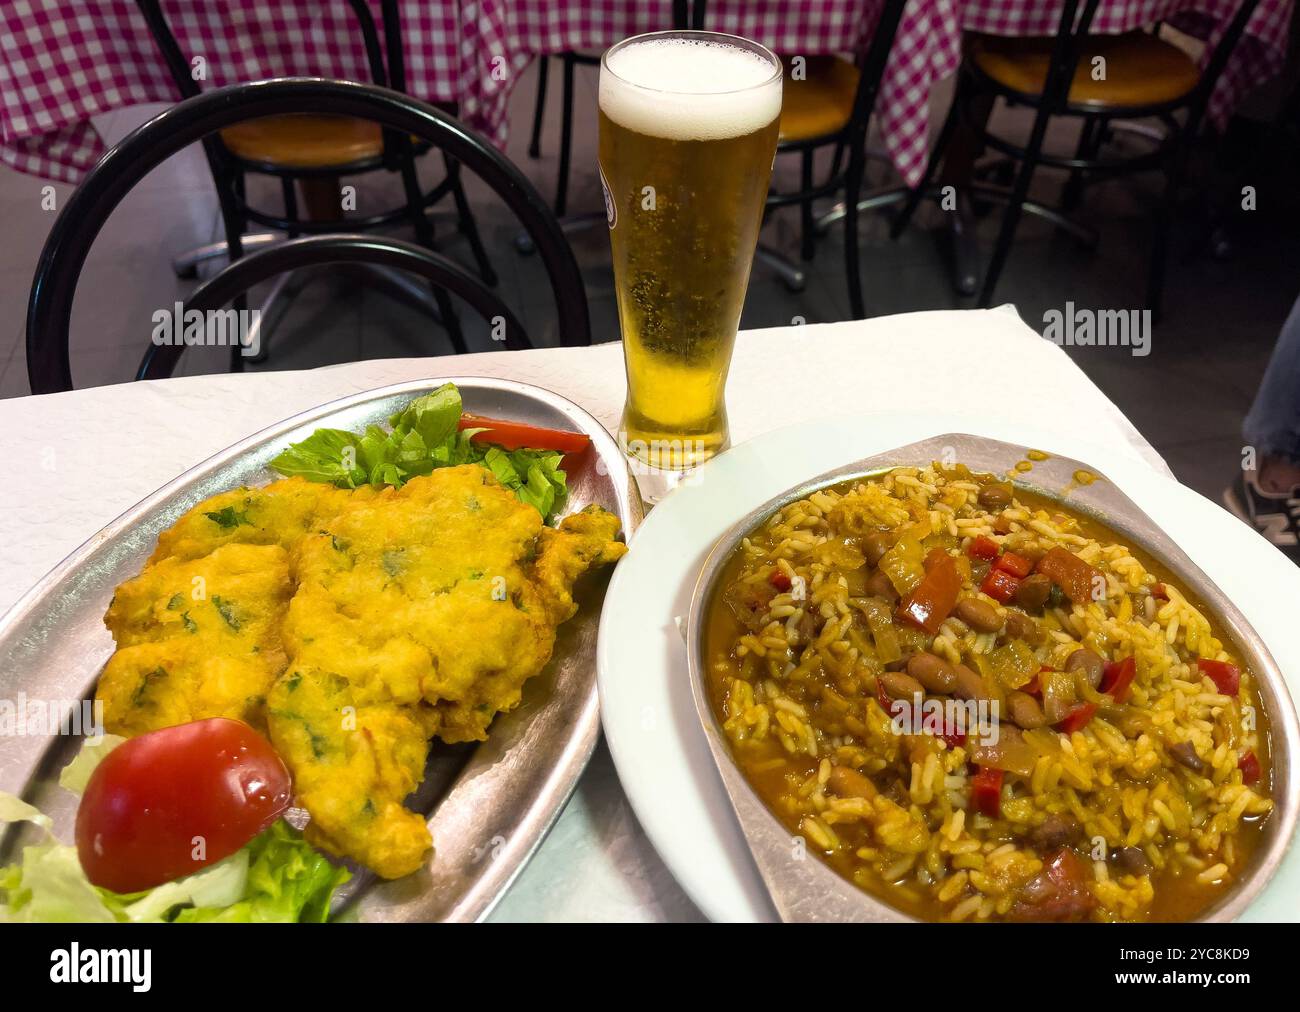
(1185,753)
(1090,663)
(875,545)
(1054,832)
(933,672)
(1131,861)
(970,685)
(994,498)
(979,615)
(879,585)
(1025,711)
(849,783)
(1033,592)
(1021,627)
(900,686)
(901,663)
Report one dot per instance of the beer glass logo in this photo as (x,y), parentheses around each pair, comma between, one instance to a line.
(611,209)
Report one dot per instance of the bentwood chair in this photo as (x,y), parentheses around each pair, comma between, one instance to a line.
(1142,76)
(49,309)
(315,150)
(826,102)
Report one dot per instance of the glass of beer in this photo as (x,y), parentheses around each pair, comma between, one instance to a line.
(688,130)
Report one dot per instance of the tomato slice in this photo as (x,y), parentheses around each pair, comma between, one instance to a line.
(520,436)
(165,804)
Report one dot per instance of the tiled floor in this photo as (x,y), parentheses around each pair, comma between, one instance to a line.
(1188,397)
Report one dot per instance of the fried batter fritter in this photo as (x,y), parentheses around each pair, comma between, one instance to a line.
(354,627)
(197,638)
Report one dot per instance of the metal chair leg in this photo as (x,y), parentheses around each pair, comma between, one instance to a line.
(467,224)
(1160,238)
(539,109)
(290,203)
(852,185)
(792,276)
(908,209)
(186,265)
(1089,139)
(566,140)
(424,234)
(806,224)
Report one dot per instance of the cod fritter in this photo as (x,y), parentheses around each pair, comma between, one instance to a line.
(354,627)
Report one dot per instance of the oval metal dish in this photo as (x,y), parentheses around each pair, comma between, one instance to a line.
(490,805)
(810,890)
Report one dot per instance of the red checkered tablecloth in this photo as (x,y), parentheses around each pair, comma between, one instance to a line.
(62,61)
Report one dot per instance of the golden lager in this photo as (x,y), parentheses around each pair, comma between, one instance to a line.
(688,129)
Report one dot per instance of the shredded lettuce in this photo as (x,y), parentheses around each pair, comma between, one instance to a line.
(422,437)
(276,877)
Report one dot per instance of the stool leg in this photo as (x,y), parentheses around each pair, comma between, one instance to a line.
(539,110)
(566,140)
(807,226)
(424,233)
(852,186)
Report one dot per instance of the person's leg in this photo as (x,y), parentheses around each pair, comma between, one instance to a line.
(1267,494)
(1273,425)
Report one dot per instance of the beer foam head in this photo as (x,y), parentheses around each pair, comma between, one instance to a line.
(689,89)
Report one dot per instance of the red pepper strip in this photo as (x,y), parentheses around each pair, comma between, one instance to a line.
(1000,585)
(1035,685)
(882,697)
(780,581)
(1071,574)
(1017,565)
(1158,592)
(1076,717)
(1249,766)
(518,435)
(1227,677)
(1117,678)
(983,548)
(986,791)
(934,597)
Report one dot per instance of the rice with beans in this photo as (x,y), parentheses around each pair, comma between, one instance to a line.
(1127,785)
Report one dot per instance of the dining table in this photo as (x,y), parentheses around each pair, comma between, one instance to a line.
(63,62)
(80,458)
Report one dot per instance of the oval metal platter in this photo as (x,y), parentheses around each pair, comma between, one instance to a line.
(811,890)
(489,805)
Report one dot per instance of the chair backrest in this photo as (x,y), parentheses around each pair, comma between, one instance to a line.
(872,68)
(1074,26)
(49,309)
(387,75)
(159,360)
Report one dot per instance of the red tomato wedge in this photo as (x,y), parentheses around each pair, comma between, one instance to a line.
(173,801)
(519,436)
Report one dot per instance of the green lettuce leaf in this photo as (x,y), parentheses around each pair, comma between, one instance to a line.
(424,436)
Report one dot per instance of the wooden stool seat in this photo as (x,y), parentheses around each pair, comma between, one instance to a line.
(1141,69)
(304,141)
(822,102)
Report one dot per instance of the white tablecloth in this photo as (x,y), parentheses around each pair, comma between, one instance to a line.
(76,460)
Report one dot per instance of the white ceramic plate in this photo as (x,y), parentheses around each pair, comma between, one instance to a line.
(649,717)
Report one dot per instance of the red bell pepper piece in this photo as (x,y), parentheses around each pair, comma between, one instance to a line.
(983,547)
(1159,592)
(780,581)
(1000,585)
(1117,678)
(934,597)
(1069,572)
(1076,717)
(882,697)
(1225,676)
(1017,565)
(986,791)
(1249,766)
